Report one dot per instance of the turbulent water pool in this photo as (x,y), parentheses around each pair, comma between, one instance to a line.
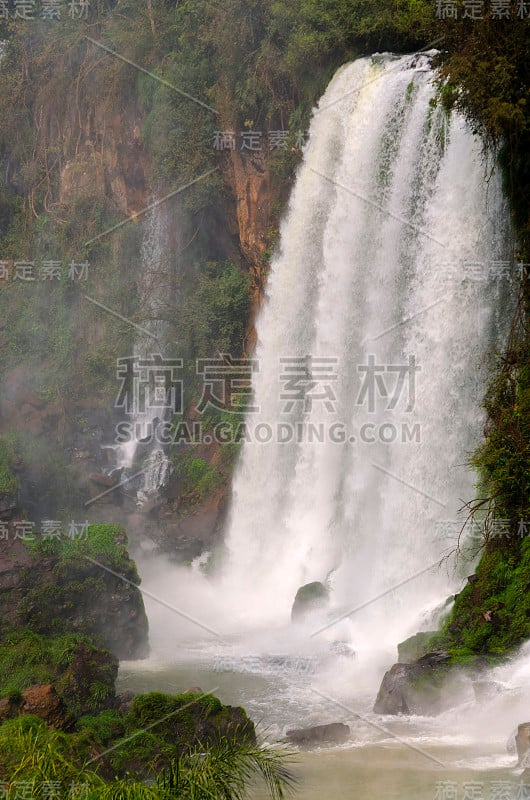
(460,754)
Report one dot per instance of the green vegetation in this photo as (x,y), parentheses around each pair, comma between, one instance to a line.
(36,755)
(102,542)
(491,615)
(216,311)
(9,481)
(160,727)
(82,672)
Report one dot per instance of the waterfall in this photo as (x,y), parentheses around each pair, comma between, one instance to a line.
(148,461)
(393,275)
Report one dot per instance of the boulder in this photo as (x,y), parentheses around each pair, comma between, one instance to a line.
(124,700)
(425,687)
(522,742)
(191,719)
(309,598)
(44,702)
(333,733)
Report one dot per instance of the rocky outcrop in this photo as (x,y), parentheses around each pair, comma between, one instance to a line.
(309,598)
(54,595)
(109,160)
(426,687)
(333,733)
(191,719)
(250,181)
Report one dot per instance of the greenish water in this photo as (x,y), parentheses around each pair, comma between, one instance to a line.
(461,756)
(394,773)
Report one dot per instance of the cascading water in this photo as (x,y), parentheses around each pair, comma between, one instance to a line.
(150,341)
(393,263)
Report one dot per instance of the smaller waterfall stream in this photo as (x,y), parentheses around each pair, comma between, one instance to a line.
(141,454)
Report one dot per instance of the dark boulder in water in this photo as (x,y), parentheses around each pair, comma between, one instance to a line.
(427,687)
(309,598)
(333,733)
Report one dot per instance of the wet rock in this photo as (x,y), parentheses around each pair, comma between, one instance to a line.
(186,549)
(333,733)
(522,742)
(103,488)
(309,598)
(124,701)
(426,687)
(152,505)
(193,690)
